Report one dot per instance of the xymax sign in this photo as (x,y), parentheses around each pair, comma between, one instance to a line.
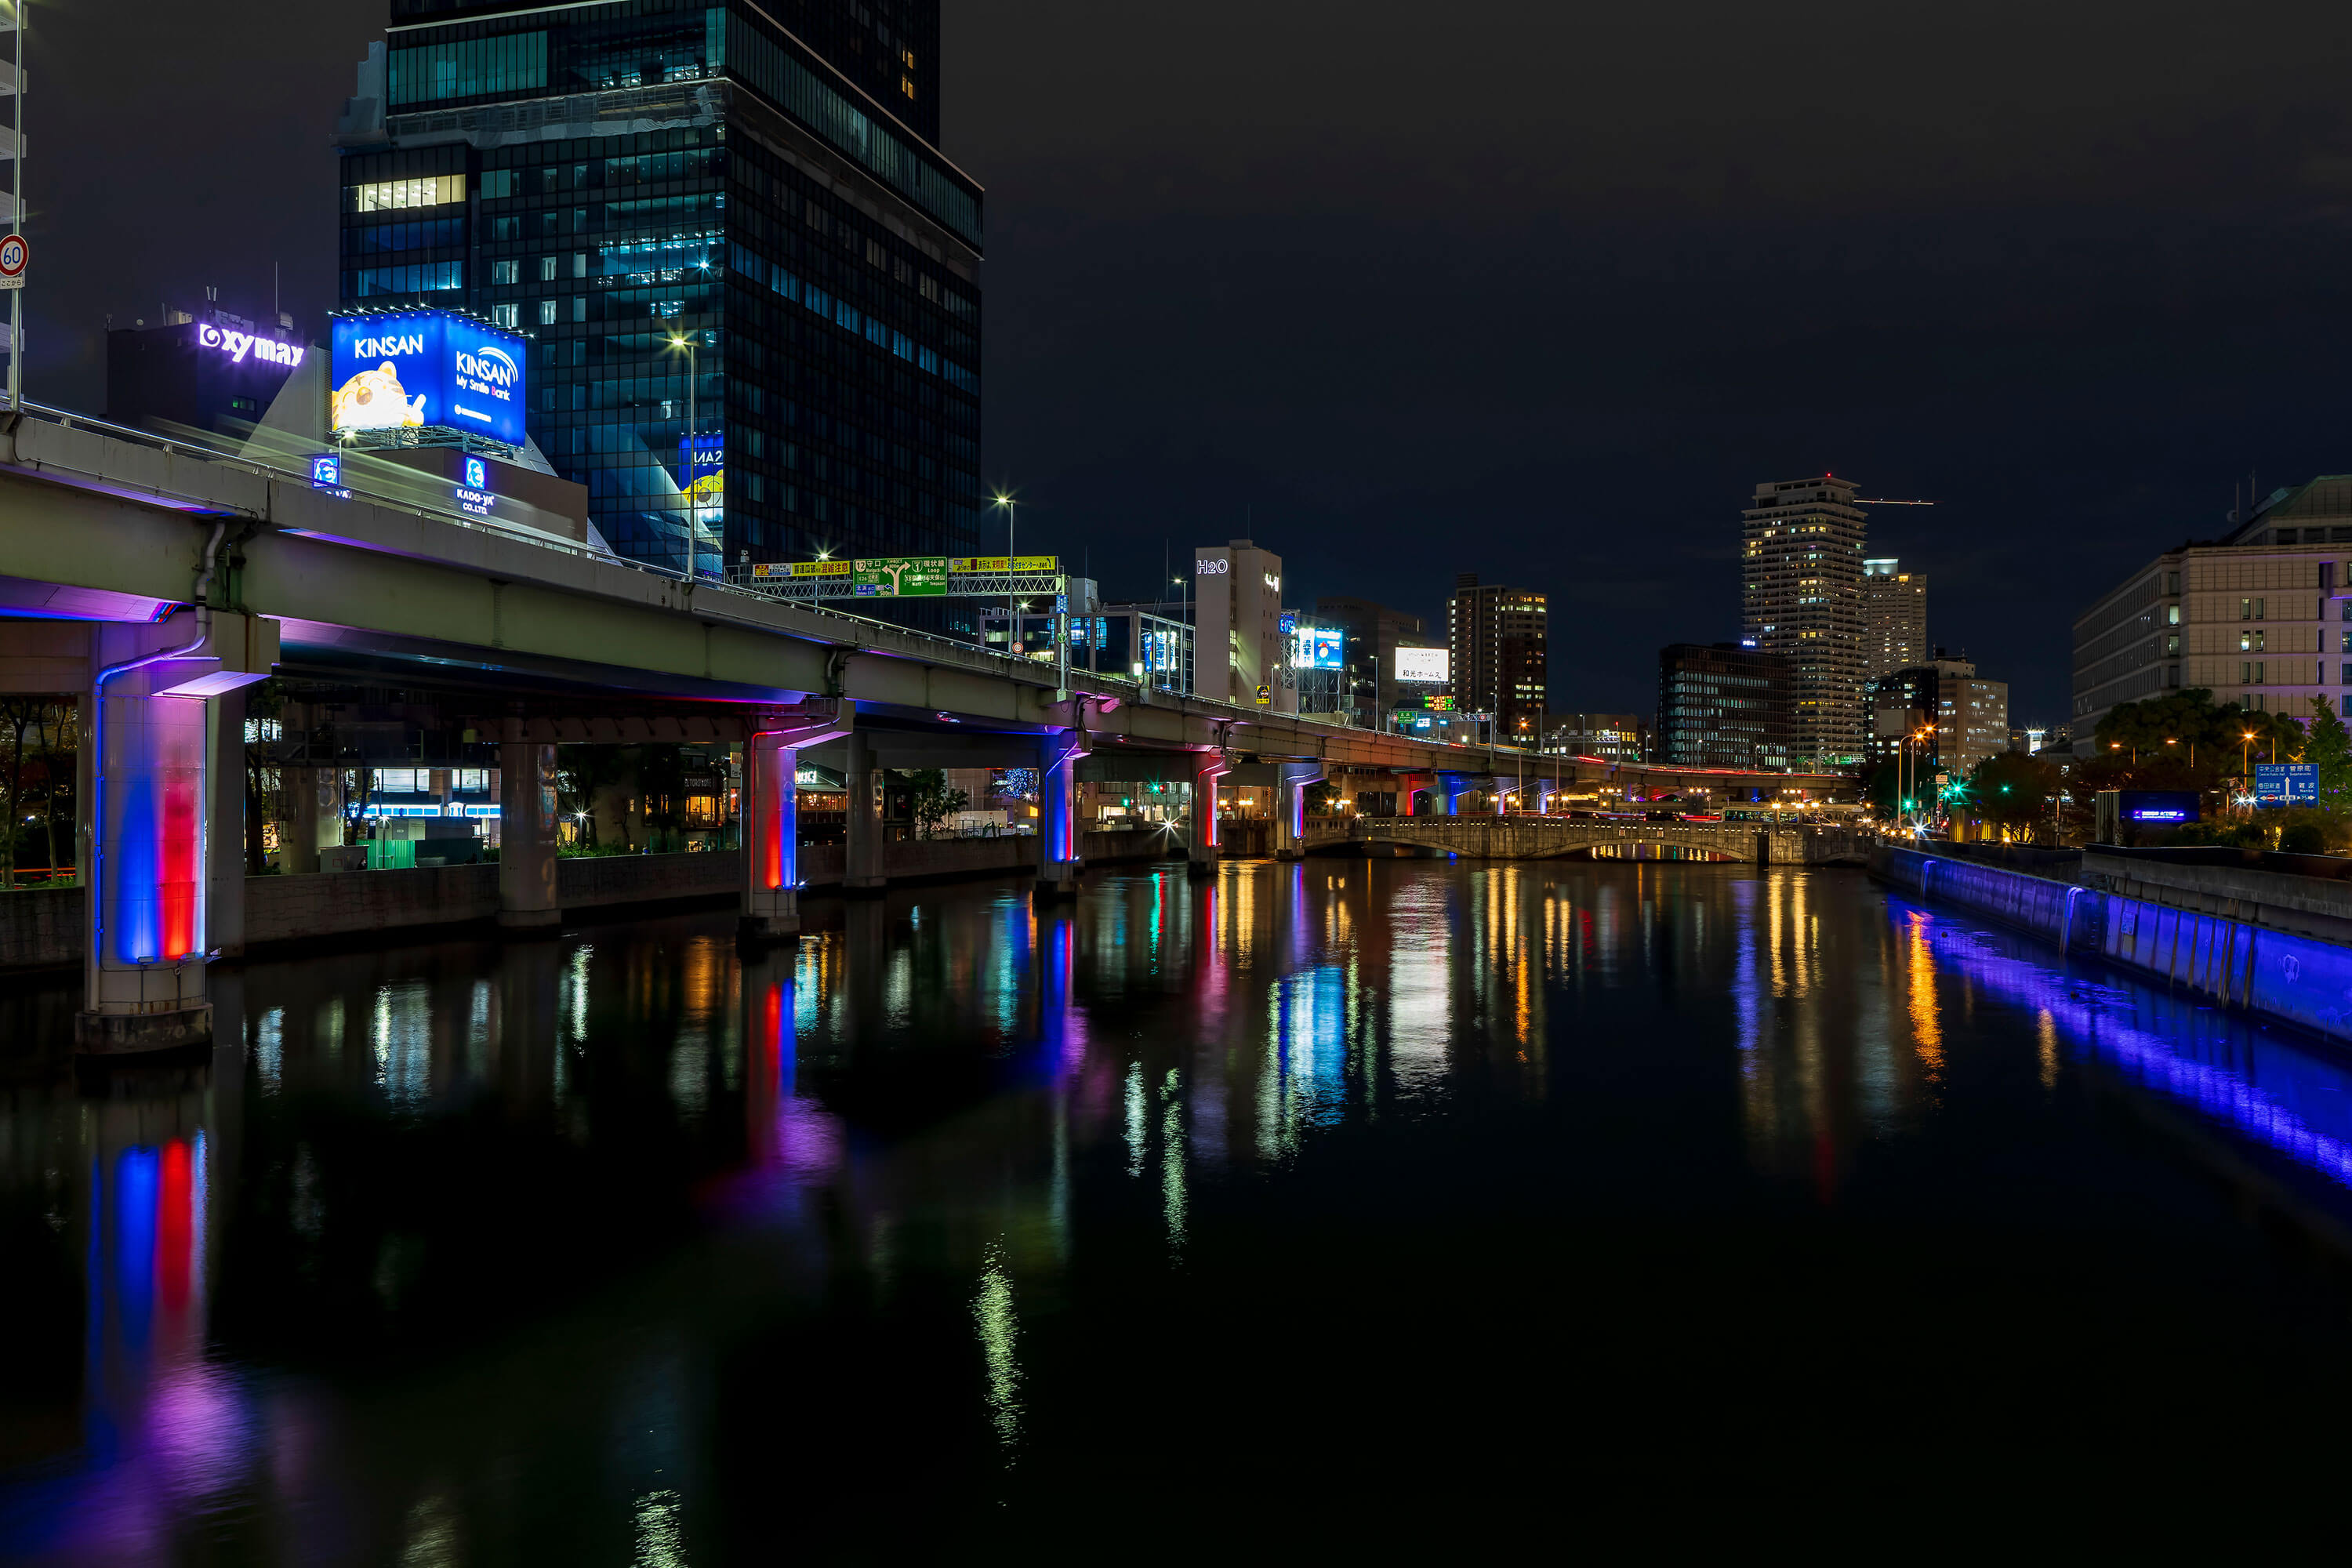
(236,345)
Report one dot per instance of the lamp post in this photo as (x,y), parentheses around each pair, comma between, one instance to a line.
(1011,621)
(679,341)
(16,217)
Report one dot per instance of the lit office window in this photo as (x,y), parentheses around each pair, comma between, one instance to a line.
(384,195)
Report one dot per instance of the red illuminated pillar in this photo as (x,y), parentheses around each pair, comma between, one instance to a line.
(1208,767)
(143,814)
(770,829)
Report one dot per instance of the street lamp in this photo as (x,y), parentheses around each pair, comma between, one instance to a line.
(679,341)
(1011,626)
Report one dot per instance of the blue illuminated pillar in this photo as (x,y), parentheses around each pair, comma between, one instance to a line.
(769,828)
(1291,808)
(1058,820)
(143,821)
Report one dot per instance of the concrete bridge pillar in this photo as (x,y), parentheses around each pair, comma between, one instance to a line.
(1208,767)
(771,823)
(1407,785)
(1541,791)
(1291,808)
(224,873)
(1498,785)
(318,803)
(528,900)
(1453,788)
(862,869)
(1058,862)
(144,820)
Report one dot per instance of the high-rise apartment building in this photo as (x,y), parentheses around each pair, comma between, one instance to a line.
(1894,616)
(1497,638)
(2227,615)
(1238,649)
(1722,706)
(724,215)
(1801,598)
(1953,719)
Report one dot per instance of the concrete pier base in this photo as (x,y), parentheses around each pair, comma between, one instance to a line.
(759,930)
(136,1033)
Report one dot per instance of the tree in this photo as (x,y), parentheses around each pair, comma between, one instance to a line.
(1322,798)
(2013,789)
(932,801)
(2327,744)
(1881,792)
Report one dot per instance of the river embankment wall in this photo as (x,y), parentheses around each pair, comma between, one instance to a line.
(2152,923)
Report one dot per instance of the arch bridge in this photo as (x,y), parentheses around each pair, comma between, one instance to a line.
(1533,837)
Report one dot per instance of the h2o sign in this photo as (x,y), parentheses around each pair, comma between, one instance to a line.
(1208,567)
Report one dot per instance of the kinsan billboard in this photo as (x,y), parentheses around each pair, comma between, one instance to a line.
(1425,665)
(416,368)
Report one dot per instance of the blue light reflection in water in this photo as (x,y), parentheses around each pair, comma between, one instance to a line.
(2289,1096)
(1031,1174)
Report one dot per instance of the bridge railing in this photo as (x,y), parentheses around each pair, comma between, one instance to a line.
(264,468)
(856,629)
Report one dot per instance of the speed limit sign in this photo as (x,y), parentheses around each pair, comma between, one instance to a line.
(13,256)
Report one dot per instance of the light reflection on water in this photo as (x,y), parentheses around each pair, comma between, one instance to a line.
(594,1169)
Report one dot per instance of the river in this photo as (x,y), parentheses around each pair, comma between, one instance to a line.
(1317,1202)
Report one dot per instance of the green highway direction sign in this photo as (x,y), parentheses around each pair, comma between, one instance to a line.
(901,578)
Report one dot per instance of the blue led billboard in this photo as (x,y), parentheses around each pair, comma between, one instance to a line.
(416,368)
(2159,805)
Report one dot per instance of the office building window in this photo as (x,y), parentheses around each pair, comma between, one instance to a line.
(504,271)
(508,315)
(469,68)
(547,312)
(547,269)
(382,196)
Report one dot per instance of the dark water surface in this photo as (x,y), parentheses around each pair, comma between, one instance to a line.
(1319,1205)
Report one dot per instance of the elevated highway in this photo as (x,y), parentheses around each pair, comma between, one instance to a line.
(156,578)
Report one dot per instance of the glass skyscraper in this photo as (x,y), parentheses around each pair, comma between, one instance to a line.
(627,180)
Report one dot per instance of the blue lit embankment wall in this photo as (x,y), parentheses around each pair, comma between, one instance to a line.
(2297,980)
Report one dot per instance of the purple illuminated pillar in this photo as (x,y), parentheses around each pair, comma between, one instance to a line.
(1291,808)
(143,810)
(1057,826)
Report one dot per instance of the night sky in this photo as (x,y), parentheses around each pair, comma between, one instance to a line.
(1537,292)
